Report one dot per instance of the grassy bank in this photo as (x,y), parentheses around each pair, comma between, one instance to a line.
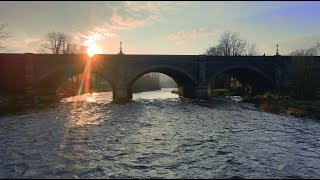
(286,105)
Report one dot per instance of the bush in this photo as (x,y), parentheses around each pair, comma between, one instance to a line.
(271,107)
(295,112)
(268,96)
(284,104)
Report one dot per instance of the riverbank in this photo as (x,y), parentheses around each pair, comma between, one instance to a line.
(286,105)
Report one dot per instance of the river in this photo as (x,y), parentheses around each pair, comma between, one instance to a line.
(157,135)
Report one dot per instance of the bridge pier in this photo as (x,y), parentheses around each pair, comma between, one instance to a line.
(194,92)
(187,91)
(201,92)
(122,95)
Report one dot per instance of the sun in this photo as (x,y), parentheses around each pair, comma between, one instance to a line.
(93,49)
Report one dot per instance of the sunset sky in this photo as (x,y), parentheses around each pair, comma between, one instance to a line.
(163,27)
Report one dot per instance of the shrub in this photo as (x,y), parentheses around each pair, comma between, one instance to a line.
(219,92)
(268,96)
(271,107)
(295,112)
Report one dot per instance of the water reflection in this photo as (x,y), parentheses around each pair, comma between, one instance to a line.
(165,93)
(103,97)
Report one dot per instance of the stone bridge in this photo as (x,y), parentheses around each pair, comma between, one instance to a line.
(41,74)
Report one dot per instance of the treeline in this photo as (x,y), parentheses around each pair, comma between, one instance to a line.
(4,35)
(61,43)
(148,82)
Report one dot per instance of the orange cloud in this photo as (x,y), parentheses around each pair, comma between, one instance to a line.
(179,43)
(31,40)
(109,30)
(127,15)
(27,44)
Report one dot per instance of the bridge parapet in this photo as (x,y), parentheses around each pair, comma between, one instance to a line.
(240,59)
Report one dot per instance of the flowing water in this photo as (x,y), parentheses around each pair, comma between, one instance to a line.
(157,135)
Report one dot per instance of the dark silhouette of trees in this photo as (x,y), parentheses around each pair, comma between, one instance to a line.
(61,43)
(313,51)
(4,35)
(252,50)
(231,44)
(215,51)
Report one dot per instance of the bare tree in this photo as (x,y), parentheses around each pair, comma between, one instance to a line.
(76,48)
(231,44)
(4,35)
(304,52)
(252,50)
(313,51)
(60,43)
(214,50)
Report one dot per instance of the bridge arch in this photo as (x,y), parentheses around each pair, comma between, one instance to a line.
(183,79)
(49,82)
(177,74)
(251,75)
(239,66)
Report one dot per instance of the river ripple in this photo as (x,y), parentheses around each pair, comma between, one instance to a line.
(159,136)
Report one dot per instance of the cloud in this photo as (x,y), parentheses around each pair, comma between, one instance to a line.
(183,36)
(31,40)
(125,16)
(27,44)
(179,43)
(119,23)
(155,9)
(108,30)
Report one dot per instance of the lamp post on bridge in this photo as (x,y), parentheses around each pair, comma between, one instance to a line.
(278,75)
(120,48)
